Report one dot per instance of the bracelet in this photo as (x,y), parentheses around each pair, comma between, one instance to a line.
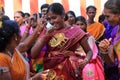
(86,59)
(104,53)
(38,33)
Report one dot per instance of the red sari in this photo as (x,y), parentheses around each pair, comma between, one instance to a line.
(60,50)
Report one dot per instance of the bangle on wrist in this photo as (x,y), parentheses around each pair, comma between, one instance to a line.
(26,31)
(86,59)
(38,32)
(104,52)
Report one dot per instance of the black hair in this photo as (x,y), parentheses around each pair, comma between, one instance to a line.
(81,18)
(7,30)
(91,7)
(101,18)
(56,8)
(22,13)
(44,6)
(27,14)
(113,5)
(69,12)
(35,14)
(4,17)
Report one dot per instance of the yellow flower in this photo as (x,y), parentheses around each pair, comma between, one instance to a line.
(0,24)
(1,8)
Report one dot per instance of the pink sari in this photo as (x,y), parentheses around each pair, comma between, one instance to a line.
(22,29)
(62,60)
(94,69)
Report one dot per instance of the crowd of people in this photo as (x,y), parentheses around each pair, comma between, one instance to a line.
(58,45)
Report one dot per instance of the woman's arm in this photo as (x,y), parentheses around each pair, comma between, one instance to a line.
(86,47)
(35,50)
(107,51)
(28,28)
(5,73)
(26,33)
(88,51)
(40,43)
(29,41)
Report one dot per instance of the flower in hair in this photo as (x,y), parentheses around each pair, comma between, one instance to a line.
(0,24)
(1,8)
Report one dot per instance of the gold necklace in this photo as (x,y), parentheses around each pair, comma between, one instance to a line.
(9,53)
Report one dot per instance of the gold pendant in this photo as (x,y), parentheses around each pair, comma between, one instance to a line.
(51,74)
(57,39)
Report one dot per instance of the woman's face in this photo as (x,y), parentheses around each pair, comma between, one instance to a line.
(34,22)
(113,19)
(81,25)
(71,19)
(26,18)
(44,11)
(57,21)
(18,18)
(91,13)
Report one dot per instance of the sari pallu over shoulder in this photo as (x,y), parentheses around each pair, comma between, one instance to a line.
(57,56)
(69,35)
(17,65)
(64,39)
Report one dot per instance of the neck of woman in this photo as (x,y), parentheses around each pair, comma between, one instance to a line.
(9,52)
(90,21)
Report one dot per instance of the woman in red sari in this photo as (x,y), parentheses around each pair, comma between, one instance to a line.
(62,42)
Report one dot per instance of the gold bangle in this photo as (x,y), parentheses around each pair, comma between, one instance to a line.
(38,33)
(26,32)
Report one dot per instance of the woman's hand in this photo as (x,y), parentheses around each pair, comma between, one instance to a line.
(30,21)
(104,45)
(49,33)
(41,22)
(82,63)
(41,76)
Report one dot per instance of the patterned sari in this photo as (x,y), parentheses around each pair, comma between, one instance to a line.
(117,50)
(61,59)
(17,65)
(94,69)
(36,65)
